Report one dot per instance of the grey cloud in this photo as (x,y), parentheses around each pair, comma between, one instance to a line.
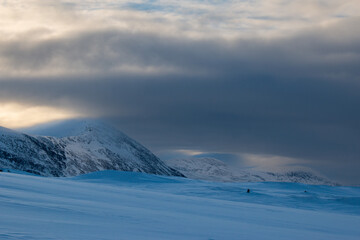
(317,52)
(295,97)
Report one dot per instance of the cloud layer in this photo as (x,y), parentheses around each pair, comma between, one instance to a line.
(231,77)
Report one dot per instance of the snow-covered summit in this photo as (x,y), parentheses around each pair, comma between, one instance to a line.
(6,132)
(76,147)
(72,127)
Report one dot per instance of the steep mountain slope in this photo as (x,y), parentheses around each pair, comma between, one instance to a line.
(84,146)
(212,169)
(28,153)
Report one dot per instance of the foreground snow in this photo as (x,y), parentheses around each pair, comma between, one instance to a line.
(123,205)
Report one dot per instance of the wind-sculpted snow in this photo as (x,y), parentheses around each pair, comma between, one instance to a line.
(95,147)
(129,205)
(215,170)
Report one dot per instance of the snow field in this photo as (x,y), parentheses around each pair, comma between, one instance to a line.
(123,205)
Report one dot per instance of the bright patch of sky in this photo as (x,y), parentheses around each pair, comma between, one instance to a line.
(227,19)
(14,115)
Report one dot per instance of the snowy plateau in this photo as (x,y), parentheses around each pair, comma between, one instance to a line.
(131,205)
(85,180)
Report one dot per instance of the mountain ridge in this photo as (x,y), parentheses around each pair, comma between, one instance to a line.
(94,146)
(212,169)
(80,146)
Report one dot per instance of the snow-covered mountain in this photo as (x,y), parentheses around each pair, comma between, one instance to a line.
(76,147)
(209,169)
(212,169)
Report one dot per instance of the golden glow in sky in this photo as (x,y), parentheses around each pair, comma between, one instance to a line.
(13,115)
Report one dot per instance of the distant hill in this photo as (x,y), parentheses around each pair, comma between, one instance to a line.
(212,169)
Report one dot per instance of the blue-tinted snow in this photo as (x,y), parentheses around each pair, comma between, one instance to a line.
(294,195)
(123,205)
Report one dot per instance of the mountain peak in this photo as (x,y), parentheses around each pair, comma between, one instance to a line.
(73,147)
(7,132)
(70,128)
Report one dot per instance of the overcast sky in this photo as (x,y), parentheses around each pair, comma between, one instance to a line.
(263,84)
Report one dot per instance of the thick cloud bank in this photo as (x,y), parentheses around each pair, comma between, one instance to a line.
(293,95)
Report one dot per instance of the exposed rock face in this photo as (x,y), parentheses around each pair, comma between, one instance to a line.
(83,147)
